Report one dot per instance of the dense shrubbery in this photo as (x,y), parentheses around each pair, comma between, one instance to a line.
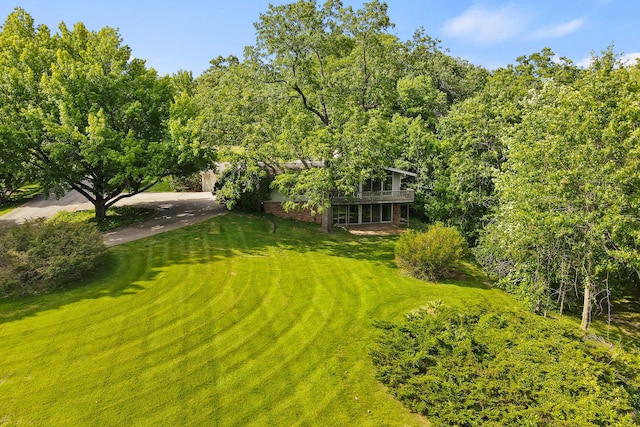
(39,256)
(431,254)
(243,189)
(191,182)
(477,367)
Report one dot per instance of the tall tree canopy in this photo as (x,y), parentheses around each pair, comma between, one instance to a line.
(567,215)
(326,88)
(474,140)
(86,115)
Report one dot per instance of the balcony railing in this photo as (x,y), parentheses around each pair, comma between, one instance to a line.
(398,196)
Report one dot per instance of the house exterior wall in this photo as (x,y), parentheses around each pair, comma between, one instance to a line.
(275,208)
(396,181)
(208,181)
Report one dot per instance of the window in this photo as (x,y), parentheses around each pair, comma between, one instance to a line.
(386,212)
(339,214)
(366,214)
(353,214)
(388,183)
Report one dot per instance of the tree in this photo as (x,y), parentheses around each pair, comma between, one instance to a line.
(474,136)
(318,91)
(25,54)
(568,211)
(91,118)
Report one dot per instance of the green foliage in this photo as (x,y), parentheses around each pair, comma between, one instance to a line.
(243,191)
(477,367)
(431,254)
(85,115)
(474,146)
(39,256)
(192,182)
(328,86)
(575,152)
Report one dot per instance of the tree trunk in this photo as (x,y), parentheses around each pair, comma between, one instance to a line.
(101,210)
(326,220)
(586,305)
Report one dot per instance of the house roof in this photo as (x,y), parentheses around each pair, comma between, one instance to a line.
(400,171)
(222,166)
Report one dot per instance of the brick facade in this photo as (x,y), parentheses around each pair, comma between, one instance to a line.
(275,208)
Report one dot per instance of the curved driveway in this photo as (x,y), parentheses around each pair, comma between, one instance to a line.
(174,210)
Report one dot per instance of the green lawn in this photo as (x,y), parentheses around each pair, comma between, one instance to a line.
(221,323)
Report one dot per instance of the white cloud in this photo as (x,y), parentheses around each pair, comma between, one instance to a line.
(584,62)
(630,58)
(485,27)
(557,31)
(626,60)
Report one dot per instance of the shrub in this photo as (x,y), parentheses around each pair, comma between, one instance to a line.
(431,254)
(40,256)
(191,182)
(475,367)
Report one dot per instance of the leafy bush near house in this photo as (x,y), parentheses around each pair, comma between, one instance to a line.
(475,367)
(39,256)
(191,182)
(243,189)
(431,254)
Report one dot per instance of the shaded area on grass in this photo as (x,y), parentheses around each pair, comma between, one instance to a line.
(92,287)
(117,216)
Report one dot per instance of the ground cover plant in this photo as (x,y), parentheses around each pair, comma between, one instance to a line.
(220,323)
(485,366)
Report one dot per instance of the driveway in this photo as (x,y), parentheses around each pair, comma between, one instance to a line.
(174,210)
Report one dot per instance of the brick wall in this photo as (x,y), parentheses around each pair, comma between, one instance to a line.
(275,208)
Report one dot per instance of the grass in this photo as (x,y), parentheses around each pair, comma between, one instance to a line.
(117,216)
(221,323)
(161,186)
(25,194)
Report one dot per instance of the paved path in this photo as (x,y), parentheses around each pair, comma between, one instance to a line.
(175,210)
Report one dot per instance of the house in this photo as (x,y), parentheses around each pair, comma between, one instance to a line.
(373,202)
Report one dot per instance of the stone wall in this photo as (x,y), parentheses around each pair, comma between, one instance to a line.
(275,208)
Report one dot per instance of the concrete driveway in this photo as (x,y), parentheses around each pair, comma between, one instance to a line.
(174,210)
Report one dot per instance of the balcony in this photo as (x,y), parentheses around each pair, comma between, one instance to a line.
(387,196)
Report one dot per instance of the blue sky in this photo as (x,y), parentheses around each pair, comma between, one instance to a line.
(186,34)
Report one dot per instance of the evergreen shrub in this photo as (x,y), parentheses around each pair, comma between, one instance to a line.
(477,367)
